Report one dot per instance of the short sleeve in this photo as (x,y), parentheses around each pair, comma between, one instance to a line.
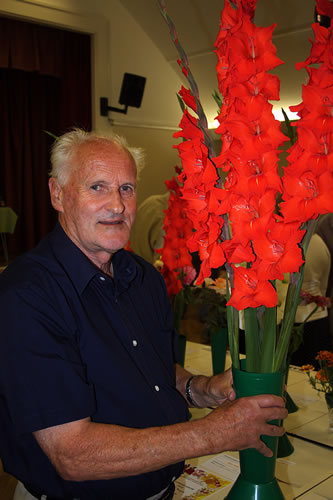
(42,376)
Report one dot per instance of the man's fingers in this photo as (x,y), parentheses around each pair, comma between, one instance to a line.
(262,448)
(269,400)
(275,413)
(274,430)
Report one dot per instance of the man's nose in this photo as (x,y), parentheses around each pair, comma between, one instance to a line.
(115,204)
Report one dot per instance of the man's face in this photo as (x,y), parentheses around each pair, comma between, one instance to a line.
(97,205)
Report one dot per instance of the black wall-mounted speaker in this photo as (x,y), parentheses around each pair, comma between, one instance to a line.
(132,90)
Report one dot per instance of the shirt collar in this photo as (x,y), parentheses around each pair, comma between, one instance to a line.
(81,270)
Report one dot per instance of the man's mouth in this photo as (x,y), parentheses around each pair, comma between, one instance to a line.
(111,222)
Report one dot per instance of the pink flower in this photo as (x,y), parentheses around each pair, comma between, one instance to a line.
(189,275)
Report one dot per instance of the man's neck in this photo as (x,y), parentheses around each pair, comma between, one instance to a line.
(107,268)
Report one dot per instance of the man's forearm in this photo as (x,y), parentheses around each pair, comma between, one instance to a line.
(85,450)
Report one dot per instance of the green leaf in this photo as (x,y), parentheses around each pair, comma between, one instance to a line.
(218,99)
(290,130)
(181,103)
(52,135)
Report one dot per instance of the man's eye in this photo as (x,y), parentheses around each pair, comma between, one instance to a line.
(127,189)
(96,187)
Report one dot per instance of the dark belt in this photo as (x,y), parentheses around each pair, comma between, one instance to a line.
(167,495)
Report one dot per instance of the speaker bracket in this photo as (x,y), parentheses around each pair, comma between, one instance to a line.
(105,108)
(130,95)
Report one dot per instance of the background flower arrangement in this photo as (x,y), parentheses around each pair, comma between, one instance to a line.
(297,332)
(177,267)
(256,224)
(322,380)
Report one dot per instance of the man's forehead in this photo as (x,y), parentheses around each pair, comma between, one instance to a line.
(99,147)
(100,164)
(104,152)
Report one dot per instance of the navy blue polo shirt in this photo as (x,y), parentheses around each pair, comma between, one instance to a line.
(76,343)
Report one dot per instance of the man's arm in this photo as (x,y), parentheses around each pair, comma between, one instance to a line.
(85,450)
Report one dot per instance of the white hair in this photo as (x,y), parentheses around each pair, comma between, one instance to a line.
(65,146)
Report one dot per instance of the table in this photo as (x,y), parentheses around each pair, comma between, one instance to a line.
(307,473)
(8,220)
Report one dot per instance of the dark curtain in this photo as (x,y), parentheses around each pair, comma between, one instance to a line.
(45,85)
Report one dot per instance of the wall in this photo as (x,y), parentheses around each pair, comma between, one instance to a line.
(120,45)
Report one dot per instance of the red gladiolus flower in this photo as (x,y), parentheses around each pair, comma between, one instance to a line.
(190,130)
(278,251)
(250,291)
(184,70)
(325,8)
(250,217)
(188,98)
(249,7)
(177,228)
(237,252)
(198,168)
(262,84)
(252,51)
(231,20)
(307,197)
(258,175)
(319,48)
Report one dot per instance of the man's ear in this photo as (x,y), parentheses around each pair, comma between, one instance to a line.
(55,194)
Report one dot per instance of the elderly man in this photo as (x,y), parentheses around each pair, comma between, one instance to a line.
(92,403)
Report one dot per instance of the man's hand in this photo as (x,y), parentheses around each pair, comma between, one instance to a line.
(216,389)
(238,425)
(207,391)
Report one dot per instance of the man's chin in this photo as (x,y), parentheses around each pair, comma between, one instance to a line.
(115,244)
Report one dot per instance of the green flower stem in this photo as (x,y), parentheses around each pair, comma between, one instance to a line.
(203,122)
(233,335)
(310,226)
(252,341)
(297,334)
(309,315)
(268,340)
(233,323)
(294,288)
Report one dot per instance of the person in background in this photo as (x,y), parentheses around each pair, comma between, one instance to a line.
(317,273)
(147,231)
(324,230)
(93,404)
